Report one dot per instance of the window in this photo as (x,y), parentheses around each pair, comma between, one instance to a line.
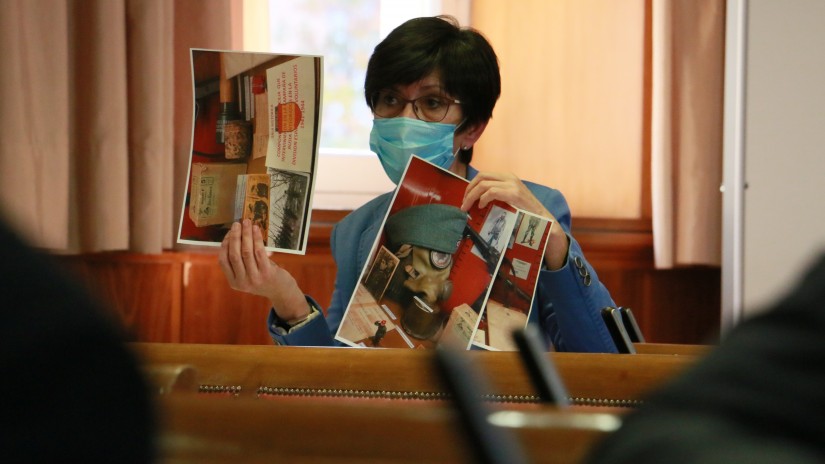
(345,33)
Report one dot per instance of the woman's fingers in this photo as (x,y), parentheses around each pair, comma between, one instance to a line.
(486,187)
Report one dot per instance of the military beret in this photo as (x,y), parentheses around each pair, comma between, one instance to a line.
(435,226)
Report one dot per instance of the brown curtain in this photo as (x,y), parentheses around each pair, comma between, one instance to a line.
(686,125)
(586,109)
(34,146)
(97,114)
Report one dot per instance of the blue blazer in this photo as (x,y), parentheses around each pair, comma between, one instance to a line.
(567,305)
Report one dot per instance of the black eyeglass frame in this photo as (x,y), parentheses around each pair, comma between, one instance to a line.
(416,110)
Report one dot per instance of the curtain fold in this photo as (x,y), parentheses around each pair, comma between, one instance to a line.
(151,82)
(99,124)
(661,168)
(97,117)
(34,146)
(686,126)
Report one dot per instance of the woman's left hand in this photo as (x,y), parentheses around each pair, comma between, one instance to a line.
(488,186)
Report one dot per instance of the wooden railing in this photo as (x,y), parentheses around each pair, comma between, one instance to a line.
(198,430)
(352,373)
(346,405)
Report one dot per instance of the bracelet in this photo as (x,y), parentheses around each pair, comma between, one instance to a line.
(295,322)
(286,326)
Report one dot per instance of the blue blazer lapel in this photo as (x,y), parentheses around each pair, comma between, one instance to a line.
(371,231)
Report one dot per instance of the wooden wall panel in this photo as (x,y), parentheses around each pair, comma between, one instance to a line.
(680,305)
(683,305)
(671,306)
(182,296)
(143,290)
(214,313)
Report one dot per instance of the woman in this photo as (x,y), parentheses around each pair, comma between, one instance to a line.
(432,87)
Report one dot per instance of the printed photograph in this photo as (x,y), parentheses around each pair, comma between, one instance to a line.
(255,116)
(513,289)
(444,262)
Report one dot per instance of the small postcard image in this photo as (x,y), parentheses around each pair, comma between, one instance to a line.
(213,191)
(530,231)
(460,327)
(496,230)
(252,200)
(381,271)
(288,194)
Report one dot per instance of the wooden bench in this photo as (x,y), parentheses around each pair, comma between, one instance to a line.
(269,371)
(203,430)
(170,378)
(347,405)
(672,348)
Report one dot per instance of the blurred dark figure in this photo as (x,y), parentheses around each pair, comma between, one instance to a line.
(71,391)
(757,398)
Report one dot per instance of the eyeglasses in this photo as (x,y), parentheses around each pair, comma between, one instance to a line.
(429,108)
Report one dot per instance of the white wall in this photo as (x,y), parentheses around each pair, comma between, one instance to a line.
(784,146)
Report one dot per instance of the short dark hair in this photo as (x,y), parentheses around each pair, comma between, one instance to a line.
(464,58)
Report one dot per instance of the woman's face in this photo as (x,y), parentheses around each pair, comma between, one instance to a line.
(431,85)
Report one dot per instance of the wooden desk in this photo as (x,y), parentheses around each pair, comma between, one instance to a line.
(204,430)
(275,371)
(348,405)
(672,348)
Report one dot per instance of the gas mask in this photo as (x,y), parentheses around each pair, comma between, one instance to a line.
(420,284)
(425,273)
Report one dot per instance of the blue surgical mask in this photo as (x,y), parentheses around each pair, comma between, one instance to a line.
(395,140)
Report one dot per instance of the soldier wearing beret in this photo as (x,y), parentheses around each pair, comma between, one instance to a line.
(432,86)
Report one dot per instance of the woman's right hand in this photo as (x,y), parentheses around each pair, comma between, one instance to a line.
(247,267)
